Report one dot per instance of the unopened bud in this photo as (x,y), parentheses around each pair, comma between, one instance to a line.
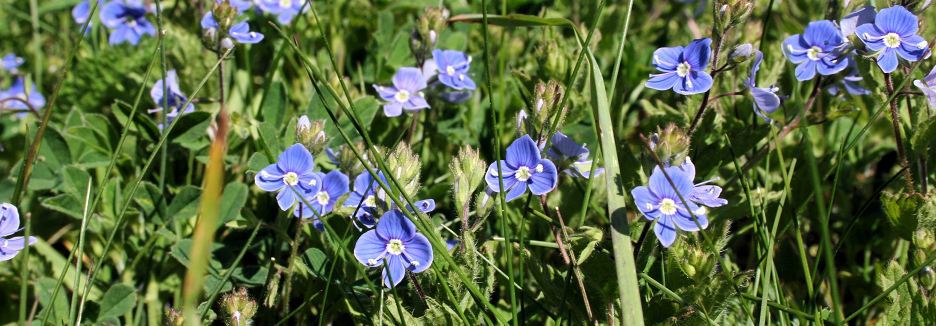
(671,145)
(468,169)
(547,97)
(404,164)
(742,53)
(430,24)
(227,43)
(311,134)
(239,307)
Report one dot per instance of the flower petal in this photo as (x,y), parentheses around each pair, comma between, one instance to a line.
(685,222)
(393,109)
(707,195)
(394,272)
(665,230)
(393,225)
(9,248)
(930,93)
(543,182)
(662,82)
(493,180)
(296,159)
(887,60)
(666,59)
(419,252)
(410,79)
(795,49)
(335,184)
(9,219)
(698,53)
(806,70)
(646,202)
(695,82)
(822,33)
(523,152)
(897,19)
(270,178)
(286,198)
(369,246)
(660,186)
(515,191)
(831,65)
(850,22)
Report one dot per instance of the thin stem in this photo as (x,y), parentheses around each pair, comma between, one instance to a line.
(705,98)
(895,122)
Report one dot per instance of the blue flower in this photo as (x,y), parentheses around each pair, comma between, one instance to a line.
(284,10)
(127,20)
(18,90)
(660,202)
(405,94)
(569,153)
(175,100)
(453,68)
(683,68)
(322,194)
(524,168)
(364,196)
(396,243)
(852,82)
(9,224)
(239,32)
(928,87)
(82,11)
(819,48)
(292,169)
(766,100)
(894,32)
(240,5)
(10,62)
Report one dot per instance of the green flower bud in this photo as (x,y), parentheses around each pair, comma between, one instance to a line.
(742,53)
(557,62)
(483,204)
(224,13)
(404,164)
(239,307)
(428,27)
(468,169)
(311,134)
(345,159)
(546,99)
(928,278)
(671,145)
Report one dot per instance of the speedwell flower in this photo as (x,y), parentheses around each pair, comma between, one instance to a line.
(284,10)
(127,21)
(818,49)
(766,100)
(453,69)
(523,168)
(683,68)
(239,32)
(928,87)
(894,32)
(10,62)
(9,224)
(293,169)
(405,94)
(174,100)
(852,82)
(659,201)
(18,90)
(364,198)
(323,195)
(396,243)
(569,153)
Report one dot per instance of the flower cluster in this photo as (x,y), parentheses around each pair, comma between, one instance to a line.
(174,99)
(125,18)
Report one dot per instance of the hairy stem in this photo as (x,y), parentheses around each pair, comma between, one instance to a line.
(895,121)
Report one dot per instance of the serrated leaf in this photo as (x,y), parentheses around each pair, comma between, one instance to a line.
(233,199)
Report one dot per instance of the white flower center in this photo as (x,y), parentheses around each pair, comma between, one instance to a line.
(539,168)
(285,3)
(892,40)
(700,211)
(523,174)
(683,69)
(372,262)
(450,70)
(322,198)
(370,201)
(313,182)
(291,178)
(813,53)
(667,206)
(402,96)
(395,247)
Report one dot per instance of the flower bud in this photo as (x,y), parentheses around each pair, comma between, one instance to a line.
(484,201)
(224,13)
(239,307)
(428,27)
(556,62)
(174,318)
(227,43)
(742,53)
(671,145)
(404,164)
(468,169)
(546,99)
(927,278)
(311,134)
(345,159)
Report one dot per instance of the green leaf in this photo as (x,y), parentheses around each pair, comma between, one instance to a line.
(185,203)
(75,181)
(117,301)
(192,130)
(66,204)
(58,308)
(316,260)
(233,199)
(512,20)
(901,210)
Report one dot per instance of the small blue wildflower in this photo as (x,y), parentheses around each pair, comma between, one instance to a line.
(11,62)
(659,202)
(292,169)
(175,100)
(524,168)
(819,48)
(9,224)
(284,10)
(451,244)
(396,243)
(702,193)
(894,32)
(569,153)
(127,20)
(323,195)
(18,90)
(405,94)
(852,82)
(364,196)
(683,68)
(766,100)
(928,87)
(81,13)
(240,5)
(453,68)
(239,32)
